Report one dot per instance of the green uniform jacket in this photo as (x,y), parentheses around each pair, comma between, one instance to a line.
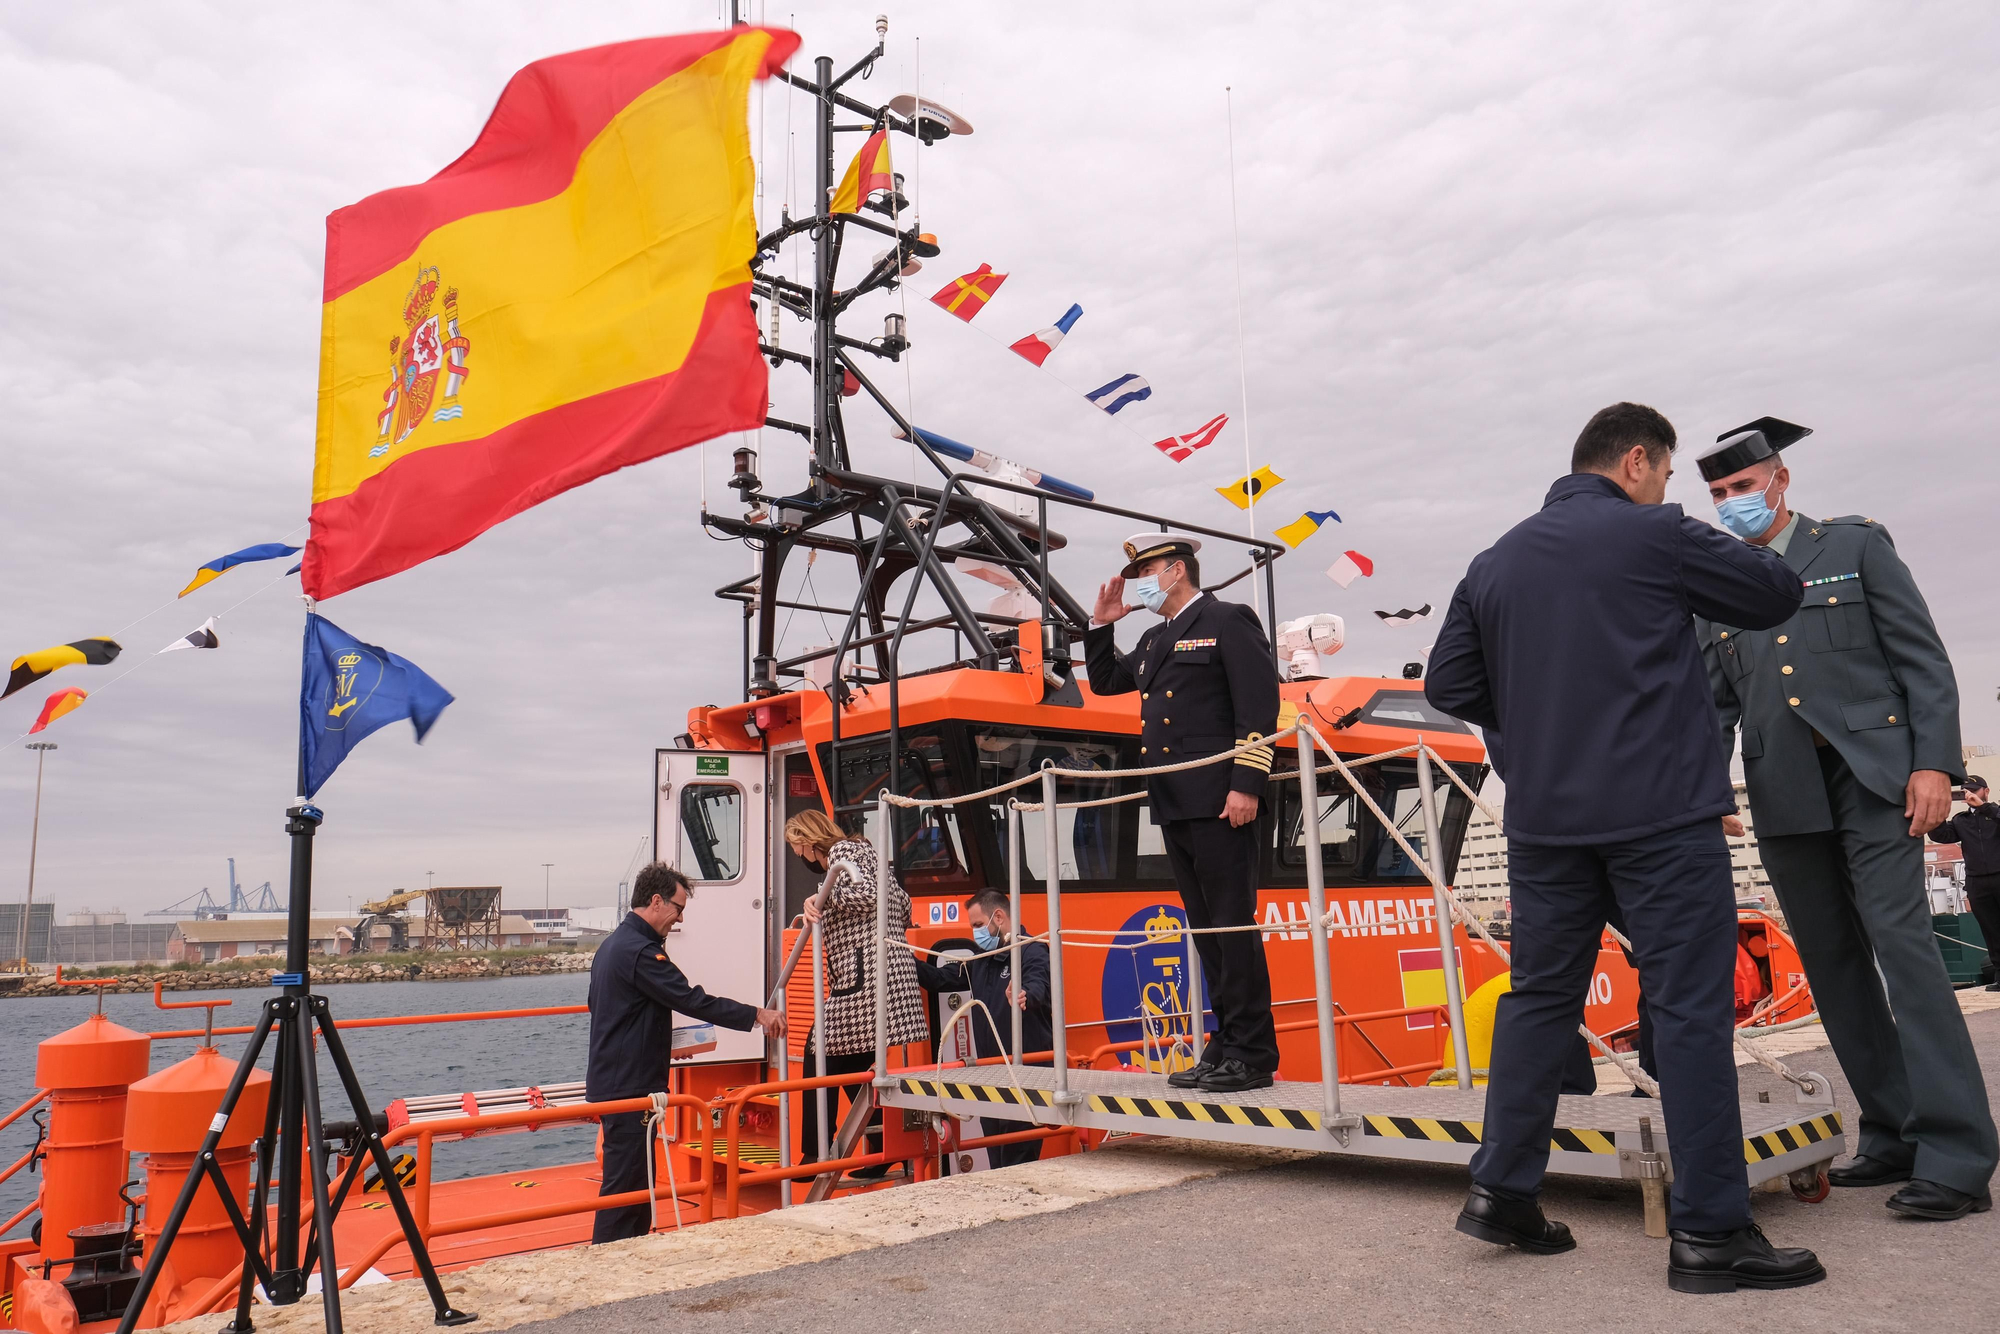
(1861,664)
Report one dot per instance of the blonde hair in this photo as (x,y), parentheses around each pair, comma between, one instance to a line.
(816,830)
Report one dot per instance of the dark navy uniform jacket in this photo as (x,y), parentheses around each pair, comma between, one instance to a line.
(1207,682)
(635,990)
(988,979)
(1573,636)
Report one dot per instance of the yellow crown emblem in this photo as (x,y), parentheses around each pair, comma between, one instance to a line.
(349,659)
(1163,925)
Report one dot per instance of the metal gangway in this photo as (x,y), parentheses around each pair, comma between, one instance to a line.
(1593,1136)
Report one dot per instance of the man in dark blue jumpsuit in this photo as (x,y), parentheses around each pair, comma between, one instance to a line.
(635,991)
(1572,636)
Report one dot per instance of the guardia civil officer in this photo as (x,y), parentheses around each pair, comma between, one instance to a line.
(635,991)
(1571,636)
(1207,683)
(1849,719)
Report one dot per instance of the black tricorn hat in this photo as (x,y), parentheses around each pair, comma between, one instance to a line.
(1738,448)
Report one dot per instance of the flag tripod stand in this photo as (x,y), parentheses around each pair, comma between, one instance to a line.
(292,1122)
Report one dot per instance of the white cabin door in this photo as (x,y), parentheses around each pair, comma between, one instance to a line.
(709,821)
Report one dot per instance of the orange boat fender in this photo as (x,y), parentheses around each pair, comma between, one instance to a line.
(42,1306)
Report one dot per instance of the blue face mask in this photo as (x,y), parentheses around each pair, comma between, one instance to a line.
(1146,588)
(1748,516)
(984,938)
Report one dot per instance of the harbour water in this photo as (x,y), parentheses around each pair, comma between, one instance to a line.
(392,1062)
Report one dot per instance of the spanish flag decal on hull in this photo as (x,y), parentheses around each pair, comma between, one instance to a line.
(570,297)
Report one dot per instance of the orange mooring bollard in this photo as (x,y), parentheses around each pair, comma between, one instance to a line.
(86,1071)
(166,1118)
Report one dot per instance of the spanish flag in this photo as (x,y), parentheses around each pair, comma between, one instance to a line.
(868,173)
(570,297)
(98,651)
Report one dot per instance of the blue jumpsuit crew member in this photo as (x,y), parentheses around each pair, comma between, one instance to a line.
(1207,682)
(1572,637)
(635,991)
(1849,717)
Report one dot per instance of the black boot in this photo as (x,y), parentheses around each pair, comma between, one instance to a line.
(1938,1203)
(1866,1171)
(1192,1076)
(1726,1261)
(1510,1222)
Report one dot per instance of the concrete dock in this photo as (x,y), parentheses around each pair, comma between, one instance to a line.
(1193,1237)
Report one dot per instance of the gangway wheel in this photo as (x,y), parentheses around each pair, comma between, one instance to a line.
(1810,1184)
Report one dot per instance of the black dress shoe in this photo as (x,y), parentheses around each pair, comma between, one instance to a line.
(1726,1261)
(1232,1076)
(1866,1171)
(1509,1222)
(1928,1199)
(1192,1076)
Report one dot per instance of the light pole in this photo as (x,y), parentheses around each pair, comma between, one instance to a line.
(42,749)
(546,867)
(430,881)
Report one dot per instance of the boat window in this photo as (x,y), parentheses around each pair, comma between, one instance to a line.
(711,821)
(930,849)
(1098,845)
(1410,710)
(1353,846)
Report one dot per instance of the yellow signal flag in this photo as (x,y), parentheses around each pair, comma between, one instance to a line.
(1299,529)
(1247,491)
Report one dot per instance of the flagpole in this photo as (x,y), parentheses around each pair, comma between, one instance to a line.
(1242,365)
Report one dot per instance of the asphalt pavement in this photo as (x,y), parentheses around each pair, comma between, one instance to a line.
(1341,1244)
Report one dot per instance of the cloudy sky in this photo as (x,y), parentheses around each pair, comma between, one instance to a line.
(1463,229)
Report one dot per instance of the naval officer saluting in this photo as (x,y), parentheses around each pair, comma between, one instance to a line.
(1849,714)
(1207,683)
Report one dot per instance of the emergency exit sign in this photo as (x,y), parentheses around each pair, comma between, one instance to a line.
(712,764)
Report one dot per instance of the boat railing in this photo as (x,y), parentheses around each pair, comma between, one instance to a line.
(1310,745)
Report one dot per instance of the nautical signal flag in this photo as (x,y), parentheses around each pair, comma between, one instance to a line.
(1178,447)
(350,689)
(32,667)
(212,570)
(1037,346)
(202,637)
(1405,615)
(569,297)
(67,700)
(966,296)
(1247,491)
(1124,390)
(1299,529)
(867,174)
(1352,565)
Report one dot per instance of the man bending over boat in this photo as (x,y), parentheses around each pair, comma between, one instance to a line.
(635,991)
(1572,637)
(1207,683)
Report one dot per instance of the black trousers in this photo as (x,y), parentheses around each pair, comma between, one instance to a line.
(852,1063)
(1675,892)
(1010,1155)
(1854,900)
(1215,868)
(1983,892)
(624,1169)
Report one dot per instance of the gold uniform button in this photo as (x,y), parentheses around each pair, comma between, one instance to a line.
(1147,695)
(1892,717)
(1142,749)
(1725,634)
(1795,701)
(1786,670)
(1170,694)
(1784,639)
(1833,599)
(1165,722)
(1166,750)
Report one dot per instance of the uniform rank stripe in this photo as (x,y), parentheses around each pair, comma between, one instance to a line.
(1785,1138)
(1406,1128)
(1460,1132)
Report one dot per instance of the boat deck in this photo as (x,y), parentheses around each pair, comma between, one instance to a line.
(1596,1137)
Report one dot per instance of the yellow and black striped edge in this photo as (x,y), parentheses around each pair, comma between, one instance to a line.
(1758,1148)
(1162,1109)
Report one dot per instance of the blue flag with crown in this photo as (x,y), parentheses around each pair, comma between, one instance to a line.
(350,689)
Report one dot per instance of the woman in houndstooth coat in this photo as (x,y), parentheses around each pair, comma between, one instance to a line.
(847,911)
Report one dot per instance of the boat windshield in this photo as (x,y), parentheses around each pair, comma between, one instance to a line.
(1353,847)
(1099,846)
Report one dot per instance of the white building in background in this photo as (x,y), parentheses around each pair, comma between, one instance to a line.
(1482,865)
